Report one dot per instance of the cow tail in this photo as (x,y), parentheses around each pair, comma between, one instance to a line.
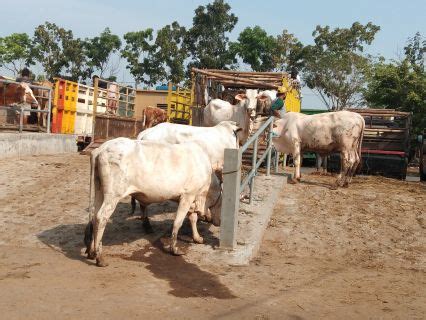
(92,194)
(358,169)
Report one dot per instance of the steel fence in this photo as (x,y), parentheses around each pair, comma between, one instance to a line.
(233,186)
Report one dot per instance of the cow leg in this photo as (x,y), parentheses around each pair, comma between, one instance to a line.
(183,208)
(297,163)
(193,217)
(354,161)
(100,221)
(345,166)
(146,224)
(324,164)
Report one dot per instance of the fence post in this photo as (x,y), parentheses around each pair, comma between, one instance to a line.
(268,161)
(253,165)
(50,111)
(230,198)
(21,119)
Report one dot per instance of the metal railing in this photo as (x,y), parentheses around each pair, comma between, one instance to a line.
(21,109)
(232,185)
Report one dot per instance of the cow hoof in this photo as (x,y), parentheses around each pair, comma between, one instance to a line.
(199,240)
(100,262)
(91,255)
(292,181)
(176,251)
(298,179)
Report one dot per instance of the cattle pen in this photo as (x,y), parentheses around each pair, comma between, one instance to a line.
(35,121)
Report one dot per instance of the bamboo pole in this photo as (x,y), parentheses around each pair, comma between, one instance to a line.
(243,72)
(235,79)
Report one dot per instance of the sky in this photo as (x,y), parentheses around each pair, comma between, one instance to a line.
(398,20)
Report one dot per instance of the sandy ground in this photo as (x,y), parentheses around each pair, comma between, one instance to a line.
(353,253)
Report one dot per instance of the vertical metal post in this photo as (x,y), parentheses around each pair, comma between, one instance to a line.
(230,199)
(21,119)
(95,105)
(268,161)
(49,103)
(253,165)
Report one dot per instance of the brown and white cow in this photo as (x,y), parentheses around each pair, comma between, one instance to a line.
(323,133)
(123,167)
(17,94)
(153,116)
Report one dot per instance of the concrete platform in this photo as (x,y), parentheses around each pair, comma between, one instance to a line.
(16,145)
(252,222)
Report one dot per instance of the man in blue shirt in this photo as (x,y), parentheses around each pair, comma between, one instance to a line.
(278,105)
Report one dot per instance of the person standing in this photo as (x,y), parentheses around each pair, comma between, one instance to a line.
(278,105)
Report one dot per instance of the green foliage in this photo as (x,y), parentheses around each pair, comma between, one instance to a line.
(75,58)
(48,42)
(15,52)
(402,85)
(171,53)
(336,67)
(99,51)
(256,48)
(141,58)
(207,40)
(289,52)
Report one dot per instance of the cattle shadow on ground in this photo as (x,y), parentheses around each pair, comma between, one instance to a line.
(121,229)
(186,279)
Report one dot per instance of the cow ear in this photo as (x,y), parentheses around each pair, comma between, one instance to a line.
(240,96)
(262,97)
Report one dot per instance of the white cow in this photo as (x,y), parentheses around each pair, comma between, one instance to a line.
(213,140)
(219,110)
(323,133)
(123,167)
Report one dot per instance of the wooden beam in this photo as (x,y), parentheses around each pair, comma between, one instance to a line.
(235,79)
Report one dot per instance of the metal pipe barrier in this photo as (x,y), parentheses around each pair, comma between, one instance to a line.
(233,186)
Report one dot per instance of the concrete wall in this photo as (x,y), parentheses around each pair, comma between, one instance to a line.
(14,145)
(145,98)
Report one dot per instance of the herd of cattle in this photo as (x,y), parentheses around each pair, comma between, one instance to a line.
(184,163)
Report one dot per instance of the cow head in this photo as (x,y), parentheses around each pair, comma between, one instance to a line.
(264,103)
(249,100)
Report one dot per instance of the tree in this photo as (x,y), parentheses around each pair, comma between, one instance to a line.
(140,54)
(47,44)
(289,52)
(335,66)
(99,51)
(256,48)
(401,85)
(171,52)
(75,59)
(207,39)
(415,51)
(15,52)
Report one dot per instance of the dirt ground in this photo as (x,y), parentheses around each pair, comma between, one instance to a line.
(354,253)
